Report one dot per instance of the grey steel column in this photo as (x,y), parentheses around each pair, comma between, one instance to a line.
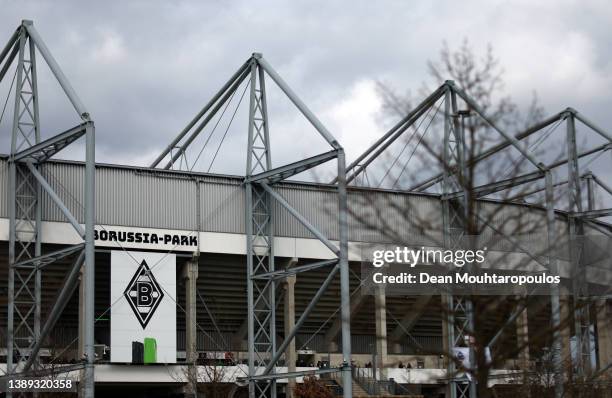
(38,216)
(12,212)
(250,295)
(190,276)
(554,297)
(576,230)
(380,309)
(90,284)
(345,293)
(289,320)
(249,237)
(448,298)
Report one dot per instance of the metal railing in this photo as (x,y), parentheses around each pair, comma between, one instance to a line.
(333,382)
(363,377)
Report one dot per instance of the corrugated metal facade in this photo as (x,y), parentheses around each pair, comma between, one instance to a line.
(140,197)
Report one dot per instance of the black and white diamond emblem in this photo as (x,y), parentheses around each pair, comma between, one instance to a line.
(144,294)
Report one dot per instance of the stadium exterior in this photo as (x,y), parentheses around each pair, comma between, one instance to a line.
(253,260)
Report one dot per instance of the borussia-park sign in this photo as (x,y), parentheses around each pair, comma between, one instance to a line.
(146,238)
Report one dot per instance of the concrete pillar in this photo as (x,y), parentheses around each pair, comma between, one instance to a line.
(381,331)
(190,277)
(81,343)
(81,331)
(604,332)
(522,337)
(566,321)
(289,317)
(446,346)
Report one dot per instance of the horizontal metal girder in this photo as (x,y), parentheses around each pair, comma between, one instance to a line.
(295,270)
(289,170)
(497,186)
(276,376)
(592,213)
(49,258)
(423,185)
(48,148)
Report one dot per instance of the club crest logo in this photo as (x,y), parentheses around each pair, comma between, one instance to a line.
(144,294)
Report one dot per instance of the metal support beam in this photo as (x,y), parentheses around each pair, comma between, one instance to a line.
(392,135)
(423,185)
(345,293)
(10,43)
(183,147)
(316,123)
(333,330)
(282,274)
(554,298)
(602,184)
(238,74)
(410,319)
(9,60)
(44,150)
(90,258)
(63,297)
(591,214)
(277,376)
(260,238)
(399,125)
(289,170)
(289,324)
(26,184)
(57,71)
(49,258)
(498,186)
(301,219)
(298,324)
(71,219)
(591,125)
(513,141)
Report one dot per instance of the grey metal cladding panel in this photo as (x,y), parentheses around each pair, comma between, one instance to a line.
(222,206)
(373,216)
(129,197)
(67,180)
(3,188)
(387,217)
(318,206)
(123,197)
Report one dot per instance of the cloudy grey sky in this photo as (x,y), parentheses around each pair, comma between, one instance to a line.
(144,68)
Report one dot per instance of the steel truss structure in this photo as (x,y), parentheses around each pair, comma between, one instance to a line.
(26,331)
(454,192)
(260,177)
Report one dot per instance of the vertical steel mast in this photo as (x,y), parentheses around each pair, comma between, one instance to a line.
(25,330)
(24,209)
(260,196)
(455,218)
(260,239)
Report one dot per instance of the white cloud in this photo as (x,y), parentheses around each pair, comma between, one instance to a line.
(353,118)
(110,49)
